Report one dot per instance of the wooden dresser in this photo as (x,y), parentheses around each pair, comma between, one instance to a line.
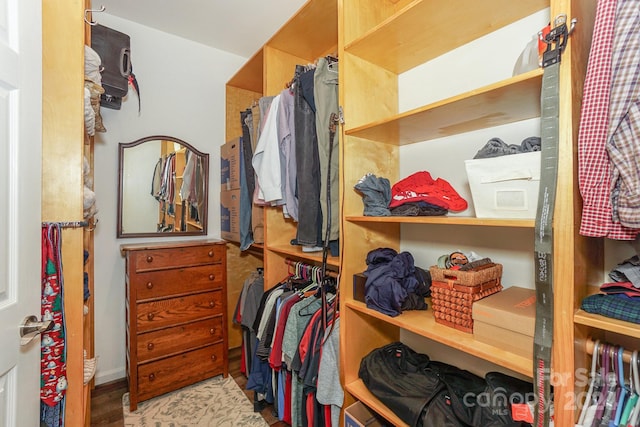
(176,315)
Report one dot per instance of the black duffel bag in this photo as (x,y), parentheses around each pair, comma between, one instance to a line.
(419,391)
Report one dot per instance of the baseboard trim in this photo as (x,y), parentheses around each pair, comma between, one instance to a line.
(109,376)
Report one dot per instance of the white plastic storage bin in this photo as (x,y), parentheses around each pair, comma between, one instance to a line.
(505,186)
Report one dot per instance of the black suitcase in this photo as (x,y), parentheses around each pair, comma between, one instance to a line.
(114,50)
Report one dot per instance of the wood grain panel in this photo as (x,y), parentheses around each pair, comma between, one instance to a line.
(159,284)
(167,312)
(62,143)
(156,259)
(159,377)
(153,345)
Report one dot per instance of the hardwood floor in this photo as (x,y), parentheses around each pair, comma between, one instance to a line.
(106,399)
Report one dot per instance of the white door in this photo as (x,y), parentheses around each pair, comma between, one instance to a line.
(20,188)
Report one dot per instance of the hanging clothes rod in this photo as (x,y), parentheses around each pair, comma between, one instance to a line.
(67,224)
(293,263)
(590,345)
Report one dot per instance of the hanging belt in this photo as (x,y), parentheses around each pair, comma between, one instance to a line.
(543,339)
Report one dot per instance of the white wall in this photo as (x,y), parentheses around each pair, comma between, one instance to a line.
(182,86)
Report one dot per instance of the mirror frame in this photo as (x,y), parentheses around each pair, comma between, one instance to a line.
(123,146)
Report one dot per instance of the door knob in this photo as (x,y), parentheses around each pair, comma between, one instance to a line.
(31,328)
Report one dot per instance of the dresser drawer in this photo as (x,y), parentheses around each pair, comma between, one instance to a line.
(168,374)
(171,311)
(158,284)
(158,259)
(152,345)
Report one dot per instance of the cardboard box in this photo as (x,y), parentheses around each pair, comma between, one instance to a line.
(507,320)
(358,415)
(505,186)
(230,165)
(230,215)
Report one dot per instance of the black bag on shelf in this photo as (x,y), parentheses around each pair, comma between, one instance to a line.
(114,50)
(423,393)
(502,392)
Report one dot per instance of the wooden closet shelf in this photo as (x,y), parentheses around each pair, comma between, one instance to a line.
(362,393)
(296,251)
(508,101)
(609,324)
(422,322)
(446,220)
(402,41)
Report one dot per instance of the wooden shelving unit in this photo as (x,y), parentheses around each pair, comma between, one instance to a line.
(377,45)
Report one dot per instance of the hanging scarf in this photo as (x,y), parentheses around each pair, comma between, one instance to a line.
(53,366)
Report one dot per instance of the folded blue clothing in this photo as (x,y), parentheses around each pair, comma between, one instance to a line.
(613,306)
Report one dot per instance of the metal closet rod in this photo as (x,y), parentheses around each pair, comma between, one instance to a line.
(66,224)
(293,263)
(590,345)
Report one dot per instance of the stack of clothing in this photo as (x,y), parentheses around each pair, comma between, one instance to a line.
(619,299)
(416,195)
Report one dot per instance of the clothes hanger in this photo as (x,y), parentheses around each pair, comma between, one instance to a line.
(622,387)
(633,388)
(601,391)
(611,382)
(633,420)
(592,375)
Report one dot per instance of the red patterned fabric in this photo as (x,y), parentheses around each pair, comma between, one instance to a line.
(53,364)
(594,170)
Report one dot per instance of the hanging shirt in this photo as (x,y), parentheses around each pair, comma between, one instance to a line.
(266,158)
(593,161)
(624,116)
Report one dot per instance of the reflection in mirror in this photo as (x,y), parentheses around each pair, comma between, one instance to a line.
(163,188)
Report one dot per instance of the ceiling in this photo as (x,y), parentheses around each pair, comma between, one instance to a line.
(237,26)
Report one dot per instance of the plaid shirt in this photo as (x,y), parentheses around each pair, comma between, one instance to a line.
(594,170)
(624,116)
(615,307)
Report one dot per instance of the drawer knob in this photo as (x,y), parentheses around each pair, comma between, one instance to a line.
(150,346)
(210,253)
(212,276)
(152,377)
(214,358)
(149,285)
(149,258)
(212,331)
(150,316)
(212,304)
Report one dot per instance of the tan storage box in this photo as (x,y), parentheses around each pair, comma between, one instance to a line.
(230,215)
(358,415)
(507,320)
(230,165)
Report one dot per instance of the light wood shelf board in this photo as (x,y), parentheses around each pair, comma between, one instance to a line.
(608,324)
(413,36)
(508,101)
(249,77)
(296,251)
(310,33)
(422,322)
(360,391)
(446,220)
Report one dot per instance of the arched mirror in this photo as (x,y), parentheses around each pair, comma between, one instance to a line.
(162,188)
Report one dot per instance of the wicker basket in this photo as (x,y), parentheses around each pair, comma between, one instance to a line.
(491,274)
(452,304)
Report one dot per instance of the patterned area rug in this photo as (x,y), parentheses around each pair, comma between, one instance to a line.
(216,402)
